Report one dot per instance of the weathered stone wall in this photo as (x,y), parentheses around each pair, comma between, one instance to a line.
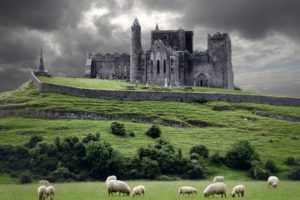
(163,96)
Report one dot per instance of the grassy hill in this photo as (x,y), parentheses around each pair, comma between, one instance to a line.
(217,125)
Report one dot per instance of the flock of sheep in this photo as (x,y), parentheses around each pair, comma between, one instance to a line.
(113,185)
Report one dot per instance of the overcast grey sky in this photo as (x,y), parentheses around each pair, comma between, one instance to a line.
(265,35)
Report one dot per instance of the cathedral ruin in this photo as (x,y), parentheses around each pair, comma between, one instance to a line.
(171,60)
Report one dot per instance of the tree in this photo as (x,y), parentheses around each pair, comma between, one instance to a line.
(154,131)
(241,155)
(117,129)
(201,150)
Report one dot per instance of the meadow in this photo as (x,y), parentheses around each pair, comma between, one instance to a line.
(155,190)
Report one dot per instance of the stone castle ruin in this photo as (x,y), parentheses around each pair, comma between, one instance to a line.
(171,60)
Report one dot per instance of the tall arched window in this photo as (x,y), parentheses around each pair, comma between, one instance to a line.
(165,66)
(151,67)
(158,66)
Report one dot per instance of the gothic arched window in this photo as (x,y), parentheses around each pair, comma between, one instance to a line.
(151,66)
(165,66)
(158,66)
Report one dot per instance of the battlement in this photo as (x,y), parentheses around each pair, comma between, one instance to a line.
(218,36)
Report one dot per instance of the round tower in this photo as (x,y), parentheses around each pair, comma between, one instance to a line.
(135,52)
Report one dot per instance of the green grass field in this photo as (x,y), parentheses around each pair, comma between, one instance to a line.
(154,190)
(122,85)
(273,139)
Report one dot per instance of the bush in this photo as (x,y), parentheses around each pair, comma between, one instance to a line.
(241,155)
(25,178)
(131,134)
(294,174)
(33,141)
(117,129)
(194,170)
(62,174)
(216,159)
(291,161)
(271,166)
(154,131)
(259,172)
(91,138)
(201,150)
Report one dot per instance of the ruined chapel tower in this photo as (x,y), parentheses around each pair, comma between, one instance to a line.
(135,52)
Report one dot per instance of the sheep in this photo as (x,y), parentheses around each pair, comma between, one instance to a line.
(138,190)
(237,190)
(50,191)
(215,188)
(219,179)
(187,190)
(117,186)
(273,181)
(44,182)
(113,177)
(42,192)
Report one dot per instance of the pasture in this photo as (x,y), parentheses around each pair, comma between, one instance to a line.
(155,190)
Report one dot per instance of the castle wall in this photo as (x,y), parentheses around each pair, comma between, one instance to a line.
(109,66)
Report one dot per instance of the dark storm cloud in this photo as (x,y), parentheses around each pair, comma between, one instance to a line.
(252,18)
(37,14)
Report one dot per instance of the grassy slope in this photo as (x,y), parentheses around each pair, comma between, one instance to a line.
(122,85)
(154,190)
(274,139)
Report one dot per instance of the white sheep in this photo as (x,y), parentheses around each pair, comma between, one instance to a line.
(187,190)
(117,186)
(50,191)
(219,179)
(138,190)
(237,190)
(113,177)
(41,192)
(44,182)
(215,188)
(273,181)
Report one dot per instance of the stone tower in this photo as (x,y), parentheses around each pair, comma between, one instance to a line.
(219,50)
(41,69)
(135,52)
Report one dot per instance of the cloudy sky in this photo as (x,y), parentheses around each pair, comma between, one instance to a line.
(265,35)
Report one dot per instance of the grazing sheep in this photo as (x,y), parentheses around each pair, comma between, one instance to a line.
(215,188)
(117,186)
(113,177)
(44,182)
(138,190)
(237,190)
(50,191)
(219,179)
(273,181)
(187,190)
(42,192)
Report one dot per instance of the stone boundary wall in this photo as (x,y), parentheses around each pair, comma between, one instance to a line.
(162,96)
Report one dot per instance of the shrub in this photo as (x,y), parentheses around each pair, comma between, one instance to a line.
(216,159)
(154,131)
(117,129)
(91,138)
(33,141)
(241,155)
(294,174)
(291,161)
(201,150)
(258,171)
(25,178)
(61,174)
(131,134)
(194,170)
(271,166)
